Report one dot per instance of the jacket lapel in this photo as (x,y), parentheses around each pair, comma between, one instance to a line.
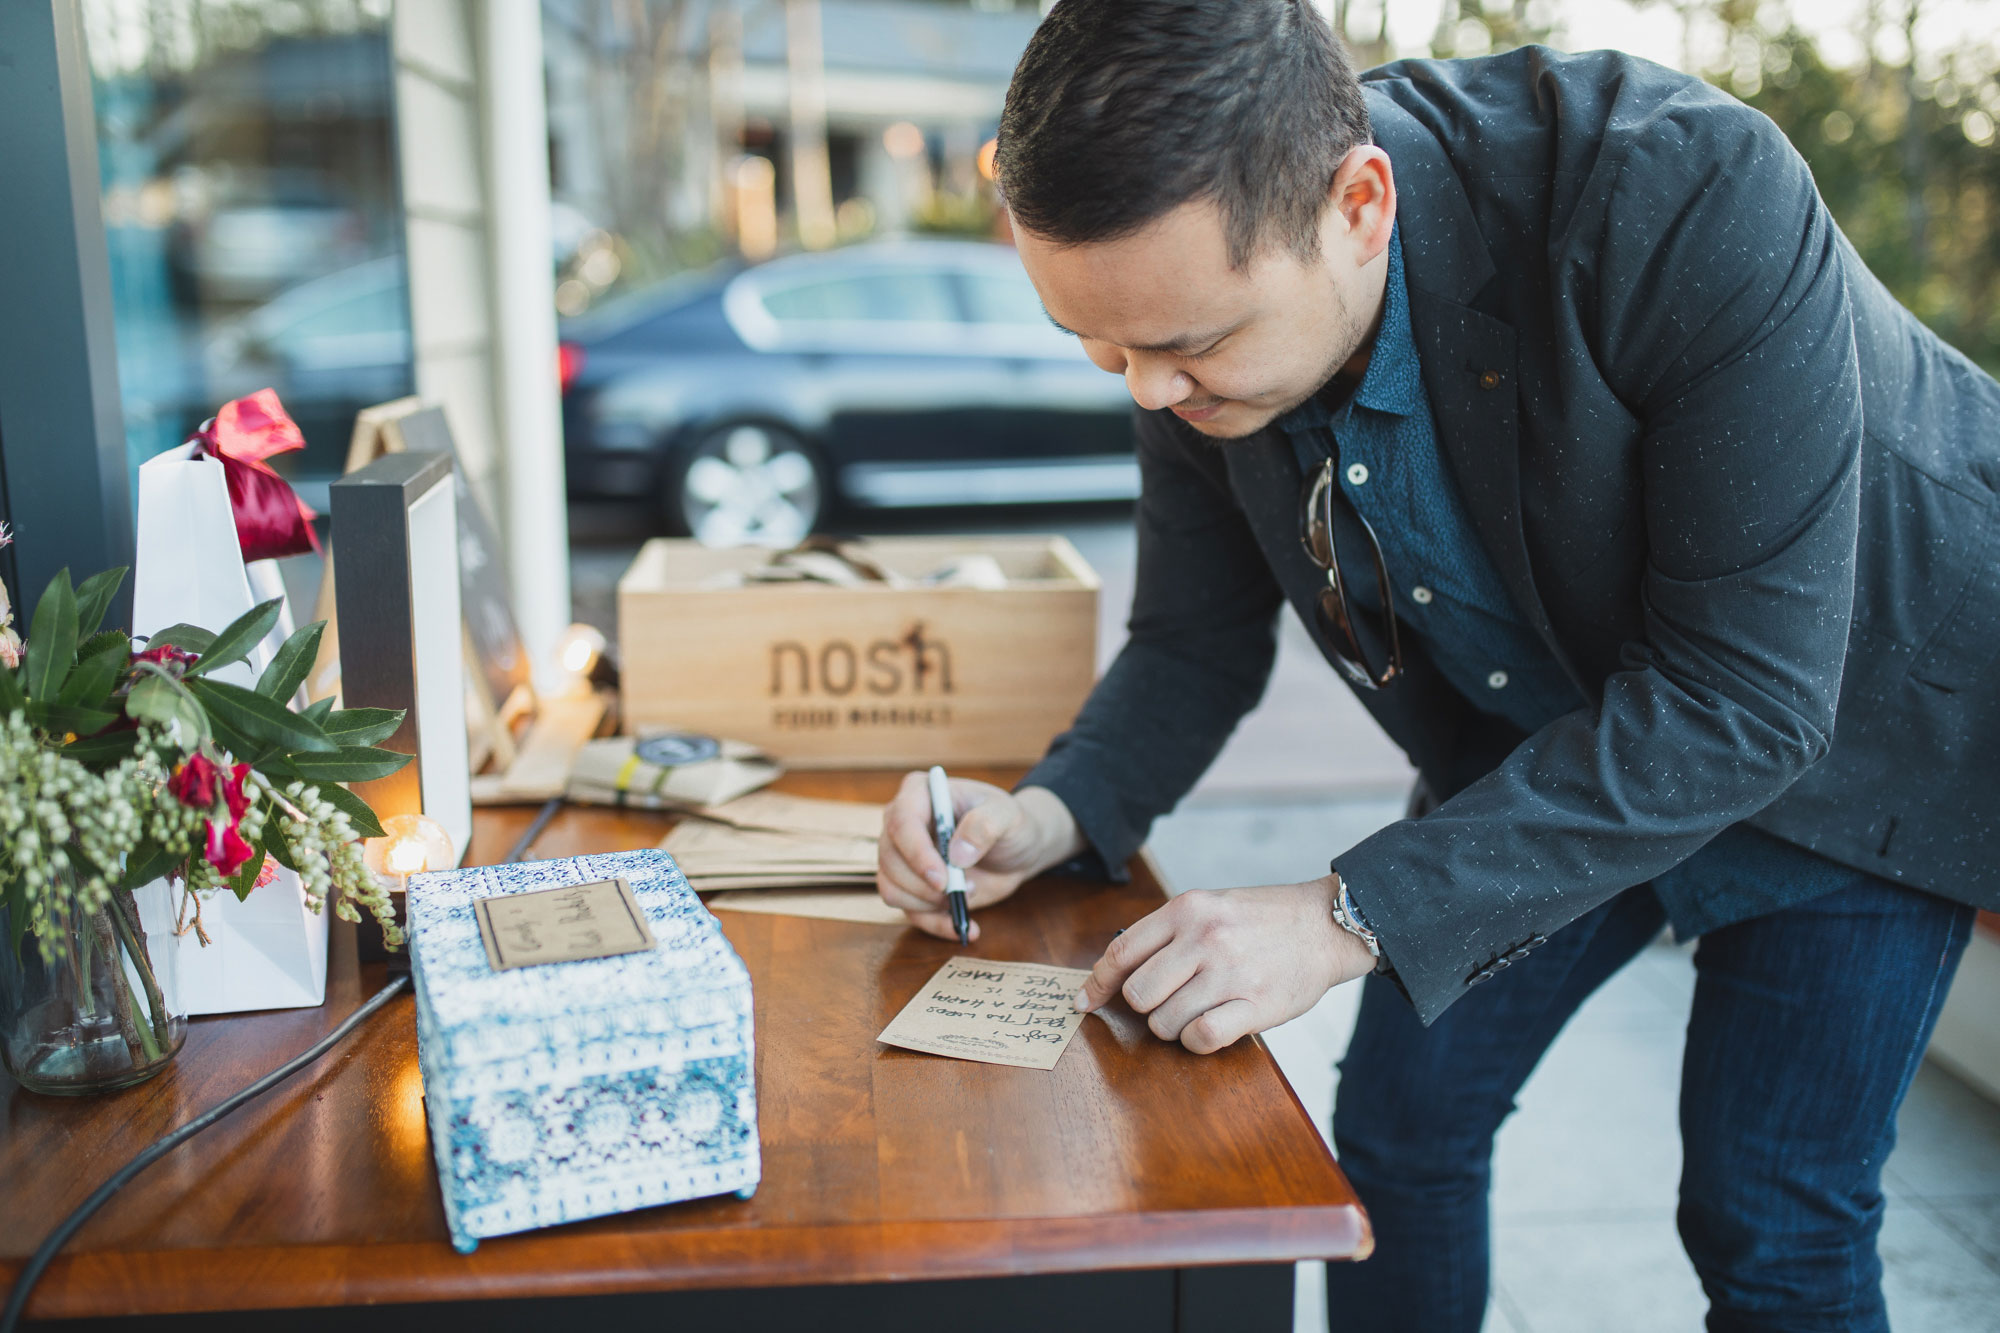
(1470,361)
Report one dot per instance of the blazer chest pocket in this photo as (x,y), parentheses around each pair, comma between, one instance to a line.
(1966,647)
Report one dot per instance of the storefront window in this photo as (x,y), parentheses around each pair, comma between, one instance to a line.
(247,150)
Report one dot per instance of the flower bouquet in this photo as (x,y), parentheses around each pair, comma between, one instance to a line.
(130,783)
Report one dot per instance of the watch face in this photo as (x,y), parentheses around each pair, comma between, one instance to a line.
(672,748)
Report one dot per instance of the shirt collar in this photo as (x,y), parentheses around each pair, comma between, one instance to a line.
(1391,383)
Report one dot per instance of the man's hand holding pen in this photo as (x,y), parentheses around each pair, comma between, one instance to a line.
(1001,840)
(1207,968)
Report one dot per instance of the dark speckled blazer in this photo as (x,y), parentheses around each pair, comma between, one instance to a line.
(1747,500)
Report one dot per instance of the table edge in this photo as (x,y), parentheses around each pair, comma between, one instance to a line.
(545,1264)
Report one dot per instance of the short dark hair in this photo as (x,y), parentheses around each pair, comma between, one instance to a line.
(1122,110)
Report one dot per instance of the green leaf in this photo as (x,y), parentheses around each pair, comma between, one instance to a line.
(159,699)
(243,634)
(56,719)
(52,639)
(273,842)
(363,726)
(153,699)
(192,638)
(94,645)
(257,718)
(357,810)
(317,710)
(352,763)
(100,752)
(291,663)
(246,879)
(11,698)
(93,598)
(260,755)
(147,862)
(96,674)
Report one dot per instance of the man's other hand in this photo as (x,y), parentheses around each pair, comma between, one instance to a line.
(1211,967)
(1002,840)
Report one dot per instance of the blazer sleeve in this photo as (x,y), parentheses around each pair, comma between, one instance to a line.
(1203,636)
(1714,304)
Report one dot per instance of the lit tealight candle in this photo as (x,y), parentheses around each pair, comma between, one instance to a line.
(410,845)
(406,856)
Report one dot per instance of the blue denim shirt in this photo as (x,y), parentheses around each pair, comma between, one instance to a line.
(1447,590)
(1444,586)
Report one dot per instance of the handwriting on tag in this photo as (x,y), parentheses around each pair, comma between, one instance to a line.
(997,1013)
(564,925)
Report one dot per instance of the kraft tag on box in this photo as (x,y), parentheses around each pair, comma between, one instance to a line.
(566,925)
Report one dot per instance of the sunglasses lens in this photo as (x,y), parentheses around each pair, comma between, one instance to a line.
(1319,544)
(1315,516)
(1335,616)
(1350,642)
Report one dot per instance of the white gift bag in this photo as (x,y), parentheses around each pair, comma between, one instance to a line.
(269,950)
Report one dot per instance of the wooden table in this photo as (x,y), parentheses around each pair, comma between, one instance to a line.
(1136,1185)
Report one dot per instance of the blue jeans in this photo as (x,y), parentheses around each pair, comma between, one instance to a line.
(1806,1031)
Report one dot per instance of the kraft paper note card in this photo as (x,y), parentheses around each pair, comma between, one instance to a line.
(798,815)
(861,905)
(563,925)
(997,1013)
(716,857)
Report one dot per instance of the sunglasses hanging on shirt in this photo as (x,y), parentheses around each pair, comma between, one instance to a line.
(1364,642)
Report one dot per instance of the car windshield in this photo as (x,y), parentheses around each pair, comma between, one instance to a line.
(643,303)
(1000,298)
(911,296)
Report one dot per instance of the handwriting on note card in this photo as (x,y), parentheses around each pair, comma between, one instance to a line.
(994,1012)
(564,925)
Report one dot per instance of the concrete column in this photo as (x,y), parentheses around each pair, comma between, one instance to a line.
(535,522)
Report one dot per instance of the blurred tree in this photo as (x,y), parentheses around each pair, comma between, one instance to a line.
(1902,143)
(1903,148)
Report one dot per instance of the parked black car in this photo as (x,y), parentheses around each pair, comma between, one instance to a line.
(891,375)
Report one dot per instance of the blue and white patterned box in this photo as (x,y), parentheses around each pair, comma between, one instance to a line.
(573,1090)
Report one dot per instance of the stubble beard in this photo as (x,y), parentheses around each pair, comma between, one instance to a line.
(1352,333)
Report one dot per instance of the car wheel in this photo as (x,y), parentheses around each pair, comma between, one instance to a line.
(747,485)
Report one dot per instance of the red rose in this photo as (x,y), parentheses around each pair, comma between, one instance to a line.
(168,656)
(194,782)
(199,784)
(233,793)
(227,851)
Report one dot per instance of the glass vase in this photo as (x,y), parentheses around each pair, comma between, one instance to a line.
(106,1013)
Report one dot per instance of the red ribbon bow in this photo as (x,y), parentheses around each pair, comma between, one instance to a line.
(271,520)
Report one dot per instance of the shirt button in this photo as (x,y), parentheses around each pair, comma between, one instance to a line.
(1420,595)
(1497,681)
(1357,474)
(1489,379)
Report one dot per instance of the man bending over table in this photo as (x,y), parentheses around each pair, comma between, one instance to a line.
(1547,393)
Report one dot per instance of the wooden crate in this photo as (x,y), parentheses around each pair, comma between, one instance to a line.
(870,676)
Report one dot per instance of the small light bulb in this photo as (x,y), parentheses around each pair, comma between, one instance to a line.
(406,856)
(577,652)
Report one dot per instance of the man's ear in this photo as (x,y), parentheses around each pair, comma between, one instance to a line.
(1361,206)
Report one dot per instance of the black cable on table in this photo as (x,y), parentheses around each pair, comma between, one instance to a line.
(25,1283)
(31,1272)
(542,819)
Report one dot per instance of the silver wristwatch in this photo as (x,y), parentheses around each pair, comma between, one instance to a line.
(1348,919)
